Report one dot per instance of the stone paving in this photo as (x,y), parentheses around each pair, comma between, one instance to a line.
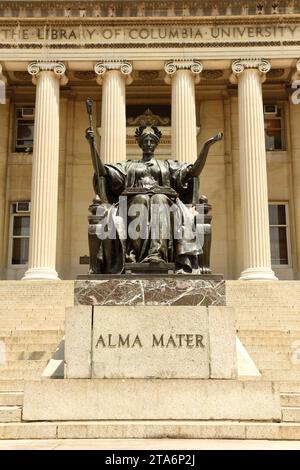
(147,444)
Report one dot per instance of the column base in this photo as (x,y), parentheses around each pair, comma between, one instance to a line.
(39,274)
(258,274)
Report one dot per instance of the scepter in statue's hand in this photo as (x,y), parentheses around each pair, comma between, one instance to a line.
(89,109)
(89,133)
(99,168)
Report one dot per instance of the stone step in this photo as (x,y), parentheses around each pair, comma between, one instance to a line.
(272,355)
(290,399)
(11,398)
(289,387)
(282,327)
(260,314)
(269,310)
(271,344)
(9,414)
(10,333)
(36,310)
(268,349)
(151,430)
(30,316)
(291,414)
(246,316)
(282,324)
(17,374)
(277,365)
(20,325)
(27,355)
(32,340)
(11,385)
(27,348)
(275,334)
(24,365)
(282,375)
(49,289)
(258,308)
(266,316)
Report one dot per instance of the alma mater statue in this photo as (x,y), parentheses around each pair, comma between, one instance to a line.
(136,205)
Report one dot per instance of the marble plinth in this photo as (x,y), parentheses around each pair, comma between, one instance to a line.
(151,290)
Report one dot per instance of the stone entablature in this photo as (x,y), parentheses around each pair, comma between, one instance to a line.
(102,34)
(107,8)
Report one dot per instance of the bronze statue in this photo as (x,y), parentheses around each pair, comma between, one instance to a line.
(160,197)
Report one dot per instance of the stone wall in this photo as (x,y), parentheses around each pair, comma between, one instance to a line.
(220,183)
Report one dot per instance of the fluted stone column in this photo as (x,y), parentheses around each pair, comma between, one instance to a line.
(250,75)
(295,157)
(183,74)
(113,76)
(4,126)
(43,225)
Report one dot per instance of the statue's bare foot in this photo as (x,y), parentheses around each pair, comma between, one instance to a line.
(153,259)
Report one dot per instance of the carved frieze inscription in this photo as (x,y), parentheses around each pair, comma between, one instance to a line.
(143,33)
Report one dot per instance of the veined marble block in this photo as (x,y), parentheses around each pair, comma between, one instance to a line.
(167,290)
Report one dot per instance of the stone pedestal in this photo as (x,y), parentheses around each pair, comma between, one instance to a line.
(150,349)
(146,399)
(139,342)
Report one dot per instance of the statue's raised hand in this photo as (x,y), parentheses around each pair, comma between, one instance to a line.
(217,137)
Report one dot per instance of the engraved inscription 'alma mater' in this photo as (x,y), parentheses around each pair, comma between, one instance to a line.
(189,341)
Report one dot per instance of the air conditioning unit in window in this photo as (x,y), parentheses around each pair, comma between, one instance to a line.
(23,206)
(270,109)
(28,113)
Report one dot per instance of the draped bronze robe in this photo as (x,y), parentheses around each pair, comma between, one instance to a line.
(160,182)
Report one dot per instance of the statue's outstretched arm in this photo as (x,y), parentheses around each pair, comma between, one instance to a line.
(198,166)
(99,168)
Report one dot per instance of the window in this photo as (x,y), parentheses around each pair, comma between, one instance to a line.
(279,234)
(274,134)
(19,233)
(24,129)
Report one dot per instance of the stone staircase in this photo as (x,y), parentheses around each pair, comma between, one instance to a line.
(32,323)
(31,326)
(268,323)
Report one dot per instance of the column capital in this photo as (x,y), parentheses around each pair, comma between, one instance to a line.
(122,66)
(240,65)
(2,76)
(296,75)
(194,66)
(58,68)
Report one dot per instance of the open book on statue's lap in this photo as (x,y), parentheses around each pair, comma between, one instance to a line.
(150,190)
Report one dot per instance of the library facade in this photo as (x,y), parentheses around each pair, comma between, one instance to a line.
(192,72)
